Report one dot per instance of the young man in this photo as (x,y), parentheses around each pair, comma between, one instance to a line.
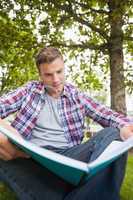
(51,114)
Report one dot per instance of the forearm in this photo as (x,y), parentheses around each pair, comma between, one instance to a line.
(105,116)
(7,126)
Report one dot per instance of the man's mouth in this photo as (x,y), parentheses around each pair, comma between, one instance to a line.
(53,87)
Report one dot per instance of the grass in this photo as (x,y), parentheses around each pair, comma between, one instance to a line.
(126,191)
(127,188)
(6,193)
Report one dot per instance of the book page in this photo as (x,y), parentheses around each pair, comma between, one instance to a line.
(112,151)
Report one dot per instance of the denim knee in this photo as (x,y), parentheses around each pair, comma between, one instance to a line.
(102,139)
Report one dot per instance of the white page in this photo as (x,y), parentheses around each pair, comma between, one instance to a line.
(115,149)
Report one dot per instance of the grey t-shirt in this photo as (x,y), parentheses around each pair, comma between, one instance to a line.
(48,129)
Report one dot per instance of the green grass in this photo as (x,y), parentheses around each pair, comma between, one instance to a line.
(126,191)
(127,188)
(6,193)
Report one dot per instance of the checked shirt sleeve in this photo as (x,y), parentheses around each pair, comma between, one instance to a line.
(102,114)
(11,102)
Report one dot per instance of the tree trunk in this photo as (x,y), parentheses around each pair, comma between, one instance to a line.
(117,86)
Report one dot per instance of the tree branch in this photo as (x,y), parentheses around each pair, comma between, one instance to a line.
(128,38)
(90,25)
(100,11)
(91,46)
(86,6)
(130,23)
(68,8)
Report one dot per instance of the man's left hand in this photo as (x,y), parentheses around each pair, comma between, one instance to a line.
(126,132)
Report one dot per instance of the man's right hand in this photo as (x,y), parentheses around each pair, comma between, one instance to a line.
(9,151)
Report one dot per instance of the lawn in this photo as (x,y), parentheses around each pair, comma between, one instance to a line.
(126,192)
(127,188)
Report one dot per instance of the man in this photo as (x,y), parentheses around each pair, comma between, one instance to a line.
(51,114)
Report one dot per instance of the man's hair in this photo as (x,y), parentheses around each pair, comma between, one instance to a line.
(47,55)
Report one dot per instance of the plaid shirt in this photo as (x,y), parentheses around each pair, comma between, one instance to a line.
(73,107)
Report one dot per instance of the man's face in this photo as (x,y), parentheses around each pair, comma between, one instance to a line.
(52,75)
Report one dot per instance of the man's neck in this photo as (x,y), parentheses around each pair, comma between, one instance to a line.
(55,95)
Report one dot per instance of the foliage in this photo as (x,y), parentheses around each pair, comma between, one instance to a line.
(92,33)
(16,54)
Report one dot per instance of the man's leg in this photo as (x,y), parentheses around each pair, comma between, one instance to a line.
(91,149)
(31,181)
(106,183)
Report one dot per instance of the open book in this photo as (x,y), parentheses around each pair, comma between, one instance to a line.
(69,169)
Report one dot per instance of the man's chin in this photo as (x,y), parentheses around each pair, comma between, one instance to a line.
(58,91)
(59,88)
(55,90)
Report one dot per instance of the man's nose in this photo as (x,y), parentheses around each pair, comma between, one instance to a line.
(55,78)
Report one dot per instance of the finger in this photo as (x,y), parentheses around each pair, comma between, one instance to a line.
(8,156)
(16,152)
(6,145)
(21,154)
(5,155)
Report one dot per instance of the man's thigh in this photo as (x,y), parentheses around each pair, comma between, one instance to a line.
(91,149)
(30,181)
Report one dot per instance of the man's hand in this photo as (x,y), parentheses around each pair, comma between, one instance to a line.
(8,151)
(126,132)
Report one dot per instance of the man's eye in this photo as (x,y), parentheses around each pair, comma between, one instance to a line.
(59,72)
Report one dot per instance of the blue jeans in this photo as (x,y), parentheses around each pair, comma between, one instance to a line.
(31,181)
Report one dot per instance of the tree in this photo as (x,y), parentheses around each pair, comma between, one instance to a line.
(17,49)
(107,25)
(103,27)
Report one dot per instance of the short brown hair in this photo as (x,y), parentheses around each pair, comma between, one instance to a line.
(47,55)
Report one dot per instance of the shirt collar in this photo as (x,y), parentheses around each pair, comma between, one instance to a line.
(41,89)
(66,92)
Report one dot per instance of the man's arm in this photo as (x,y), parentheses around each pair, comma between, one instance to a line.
(107,117)
(8,151)
(12,101)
